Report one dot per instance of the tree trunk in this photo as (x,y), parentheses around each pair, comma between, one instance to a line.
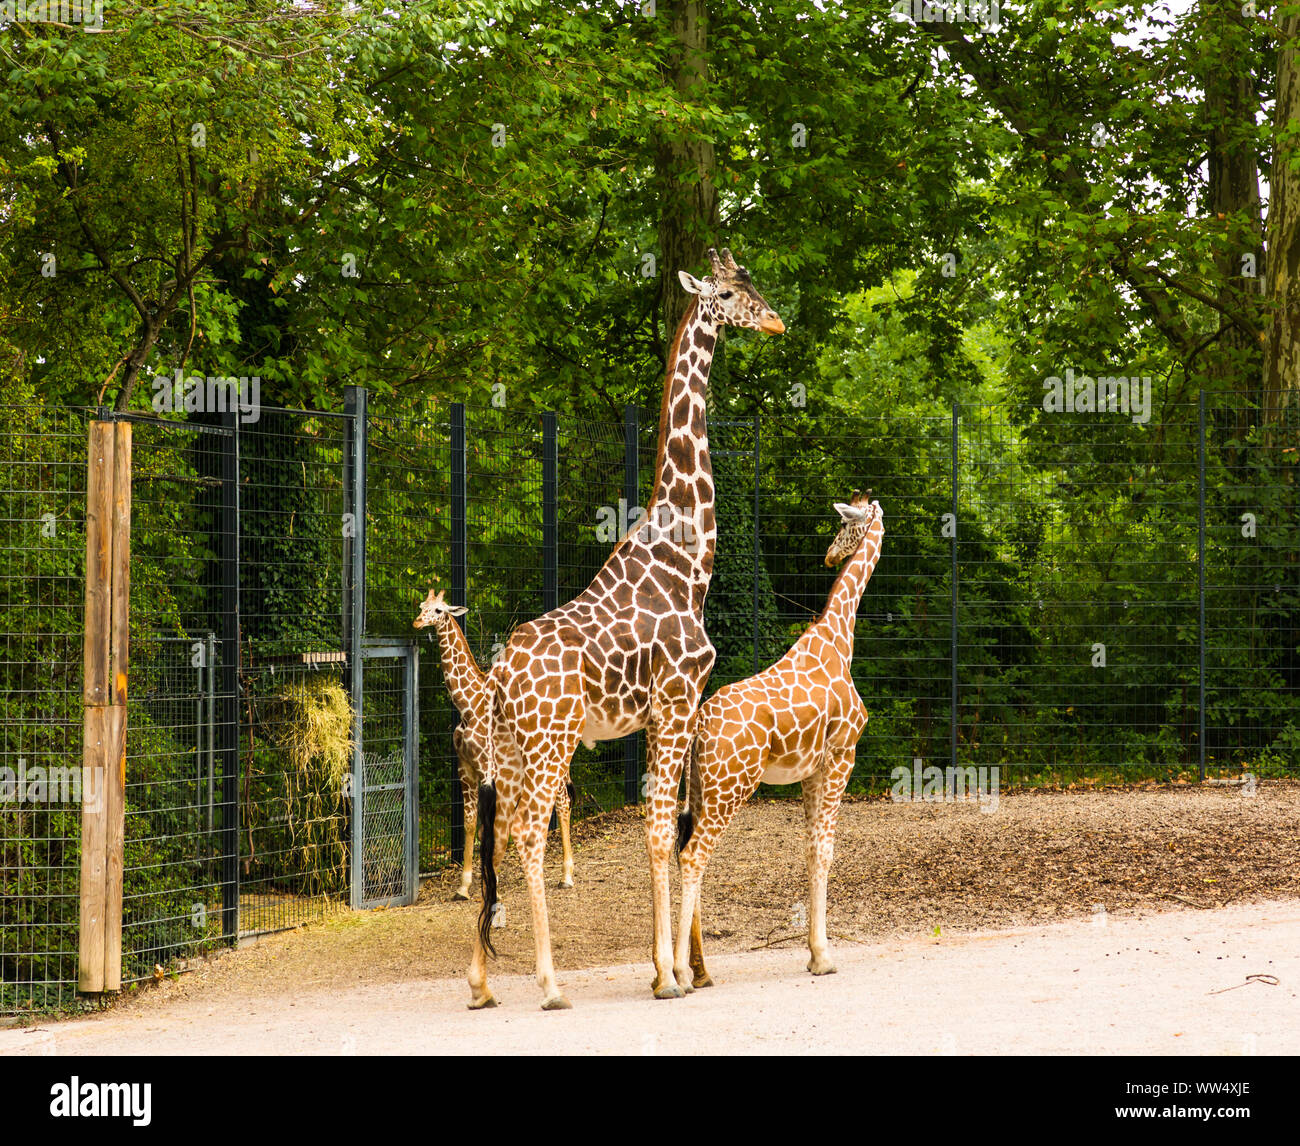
(1234,362)
(1282,335)
(149,333)
(684,166)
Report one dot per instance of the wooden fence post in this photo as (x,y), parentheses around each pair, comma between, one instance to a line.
(105,652)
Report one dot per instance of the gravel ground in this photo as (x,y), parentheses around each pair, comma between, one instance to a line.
(912,881)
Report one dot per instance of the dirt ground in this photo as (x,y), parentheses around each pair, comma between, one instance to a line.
(1184,982)
(903,873)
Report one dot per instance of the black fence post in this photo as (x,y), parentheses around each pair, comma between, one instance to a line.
(1200,579)
(459,590)
(632,496)
(952,731)
(354,611)
(550,523)
(230,652)
(550,514)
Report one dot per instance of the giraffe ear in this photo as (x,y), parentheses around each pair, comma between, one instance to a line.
(457,610)
(690,284)
(851,513)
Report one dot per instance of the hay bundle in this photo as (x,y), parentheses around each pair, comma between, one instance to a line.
(309,720)
(314,726)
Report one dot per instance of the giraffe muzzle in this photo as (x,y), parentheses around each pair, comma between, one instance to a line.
(772,325)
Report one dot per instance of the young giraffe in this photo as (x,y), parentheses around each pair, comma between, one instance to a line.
(467,685)
(628,653)
(798,720)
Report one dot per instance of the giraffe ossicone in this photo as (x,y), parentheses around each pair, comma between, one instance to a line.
(628,653)
(797,721)
(467,685)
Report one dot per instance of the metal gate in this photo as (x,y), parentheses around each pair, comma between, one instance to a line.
(385,776)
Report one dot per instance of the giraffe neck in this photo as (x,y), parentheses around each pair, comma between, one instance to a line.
(683,474)
(838,618)
(464,677)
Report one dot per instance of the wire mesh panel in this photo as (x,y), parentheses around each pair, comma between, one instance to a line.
(42,592)
(411,509)
(295,700)
(409,553)
(1252,595)
(386,792)
(239,737)
(173,895)
(1077,622)
(591,514)
(179,818)
(902,650)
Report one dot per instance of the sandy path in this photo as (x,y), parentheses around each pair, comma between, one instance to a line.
(1138,984)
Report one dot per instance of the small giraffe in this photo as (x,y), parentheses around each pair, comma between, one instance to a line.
(629,652)
(798,720)
(467,684)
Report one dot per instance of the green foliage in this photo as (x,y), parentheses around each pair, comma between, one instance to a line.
(459,200)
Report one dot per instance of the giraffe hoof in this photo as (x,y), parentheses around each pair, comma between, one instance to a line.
(557,1003)
(822,967)
(669,991)
(483,1004)
(566,883)
(460,896)
(702,981)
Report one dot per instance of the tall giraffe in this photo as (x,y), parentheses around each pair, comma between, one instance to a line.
(467,686)
(630,652)
(798,720)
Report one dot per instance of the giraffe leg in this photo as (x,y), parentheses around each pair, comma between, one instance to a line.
(469,793)
(531,845)
(821,802)
(700,976)
(695,803)
(467,868)
(651,755)
(564,808)
(673,734)
(710,821)
(480,996)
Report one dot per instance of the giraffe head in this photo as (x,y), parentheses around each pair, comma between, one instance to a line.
(858,515)
(435,610)
(730,297)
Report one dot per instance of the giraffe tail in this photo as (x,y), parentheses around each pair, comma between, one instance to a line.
(686,818)
(487,812)
(487,817)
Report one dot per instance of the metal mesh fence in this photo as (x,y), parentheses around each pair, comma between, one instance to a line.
(386,800)
(1073,599)
(529,542)
(42,560)
(756,608)
(1039,603)
(591,503)
(177,814)
(409,552)
(1252,596)
(295,698)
